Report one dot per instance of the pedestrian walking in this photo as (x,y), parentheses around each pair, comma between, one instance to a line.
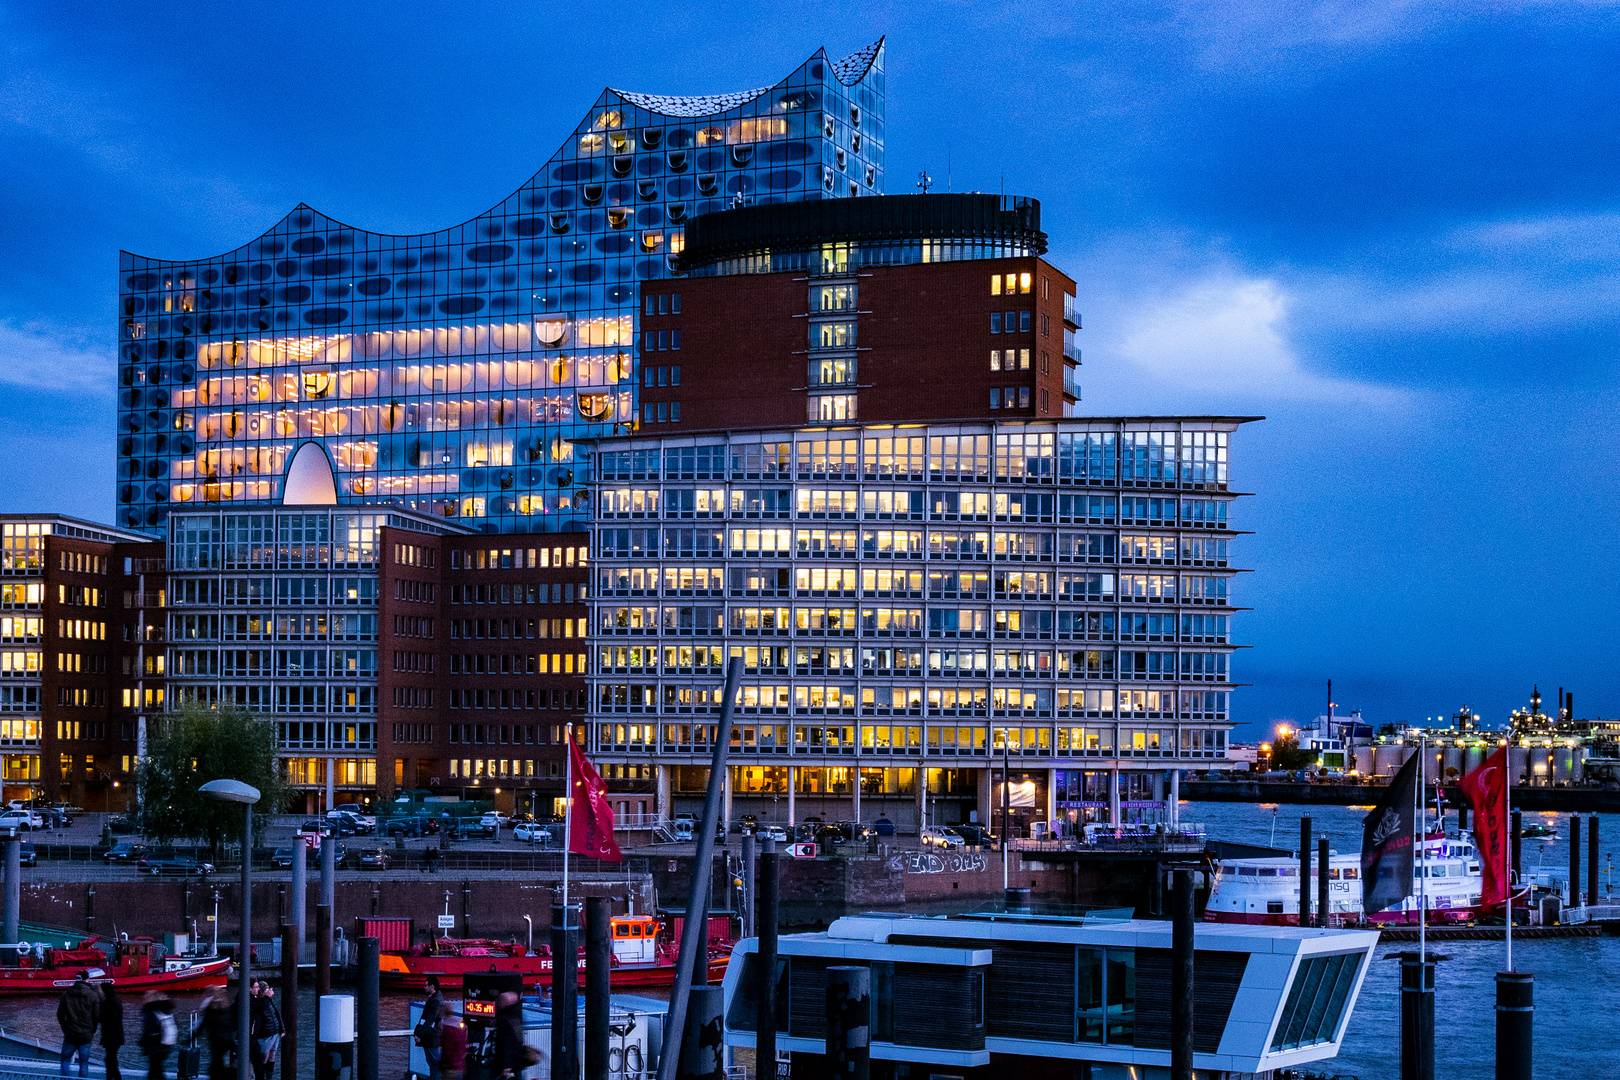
(159,1032)
(78,1013)
(219,1025)
(112,1029)
(511,1056)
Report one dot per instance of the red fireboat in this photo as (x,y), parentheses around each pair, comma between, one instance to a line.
(132,965)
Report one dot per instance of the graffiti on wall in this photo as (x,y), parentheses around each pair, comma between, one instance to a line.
(938,862)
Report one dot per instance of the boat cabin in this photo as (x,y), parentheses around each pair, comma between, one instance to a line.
(1039,996)
(635,939)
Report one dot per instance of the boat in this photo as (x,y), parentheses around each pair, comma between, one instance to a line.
(644,954)
(1538,831)
(1265,891)
(129,965)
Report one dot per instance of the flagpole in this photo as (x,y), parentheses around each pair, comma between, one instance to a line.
(568,809)
(1507,844)
(1423,867)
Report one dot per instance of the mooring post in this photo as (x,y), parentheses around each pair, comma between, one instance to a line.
(1305,870)
(1515,1016)
(1592,860)
(1417,1017)
(1181,976)
(323,950)
(564,991)
(703,1044)
(10,921)
(598,994)
(369,1027)
(849,1022)
(289,1000)
(1323,856)
(747,904)
(1574,860)
(300,896)
(765,996)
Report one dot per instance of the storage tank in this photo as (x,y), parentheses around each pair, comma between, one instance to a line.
(1388,759)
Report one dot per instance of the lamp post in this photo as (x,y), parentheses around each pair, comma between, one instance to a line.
(234,791)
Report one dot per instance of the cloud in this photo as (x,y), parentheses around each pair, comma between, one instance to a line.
(36,357)
(1226,334)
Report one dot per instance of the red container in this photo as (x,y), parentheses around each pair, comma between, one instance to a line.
(393,935)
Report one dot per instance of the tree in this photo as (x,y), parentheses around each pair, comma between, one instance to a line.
(198,744)
(1286,754)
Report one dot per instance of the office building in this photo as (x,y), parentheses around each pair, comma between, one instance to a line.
(81,657)
(844,310)
(919,607)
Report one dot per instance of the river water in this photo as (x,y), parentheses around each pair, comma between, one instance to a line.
(1577,979)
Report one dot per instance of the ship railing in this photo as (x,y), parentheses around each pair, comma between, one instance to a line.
(1591,913)
(636,821)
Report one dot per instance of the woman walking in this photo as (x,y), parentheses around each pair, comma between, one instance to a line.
(159,1032)
(112,1029)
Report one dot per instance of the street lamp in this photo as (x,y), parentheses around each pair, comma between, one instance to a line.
(234,791)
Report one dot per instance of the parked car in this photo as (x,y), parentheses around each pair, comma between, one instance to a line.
(828,837)
(20,821)
(805,831)
(348,824)
(125,851)
(748,823)
(941,838)
(410,826)
(468,829)
(856,832)
(974,835)
(355,809)
(372,859)
(120,825)
(884,827)
(495,819)
(26,856)
(684,826)
(342,825)
(532,832)
(773,832)
(173,866)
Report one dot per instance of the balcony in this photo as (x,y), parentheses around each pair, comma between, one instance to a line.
(1071,317)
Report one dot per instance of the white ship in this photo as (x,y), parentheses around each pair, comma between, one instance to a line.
(1266,891)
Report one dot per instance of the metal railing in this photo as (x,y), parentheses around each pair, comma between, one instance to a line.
(1576,916)
(637,821)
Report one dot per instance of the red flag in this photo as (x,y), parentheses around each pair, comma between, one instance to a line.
(1486,791)
(590,818)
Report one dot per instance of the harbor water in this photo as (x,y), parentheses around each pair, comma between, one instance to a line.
(1576,978)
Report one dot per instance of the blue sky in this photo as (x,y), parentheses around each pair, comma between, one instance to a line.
(1391,228)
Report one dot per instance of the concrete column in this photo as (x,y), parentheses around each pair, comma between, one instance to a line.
(855,789)
(922,797)
(331,783)
(793,781)
(725,797)
(1175,796)
(662,805)
(1051,799)
(987,785)
(1113,796)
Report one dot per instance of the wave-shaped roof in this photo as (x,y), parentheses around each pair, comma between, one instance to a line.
(849,71)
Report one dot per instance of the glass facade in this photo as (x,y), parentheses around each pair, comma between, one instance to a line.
(448,373)
(277,611)
(928,592)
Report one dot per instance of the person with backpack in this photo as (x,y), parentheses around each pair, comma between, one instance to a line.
(159,1032)
(430,1028)
(267,1030)
(219,1024)
(112,1029)
(78,1013)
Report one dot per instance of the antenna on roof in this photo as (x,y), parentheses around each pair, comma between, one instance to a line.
(925,181)
(947,171)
